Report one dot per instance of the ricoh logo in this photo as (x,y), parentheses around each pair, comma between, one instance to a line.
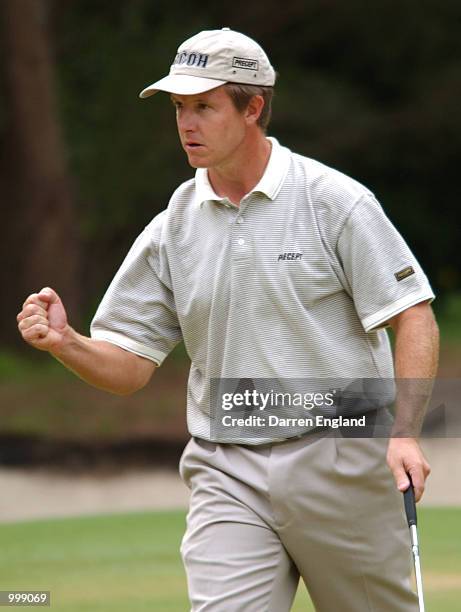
(289,256)
(191,58)
(246,63)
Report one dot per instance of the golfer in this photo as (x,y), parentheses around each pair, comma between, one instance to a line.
(269,266)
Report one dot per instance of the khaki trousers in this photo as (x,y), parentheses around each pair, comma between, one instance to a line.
(321,507)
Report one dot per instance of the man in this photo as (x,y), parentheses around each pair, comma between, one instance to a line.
(268,265)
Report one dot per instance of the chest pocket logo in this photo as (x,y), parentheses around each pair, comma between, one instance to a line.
(289,257)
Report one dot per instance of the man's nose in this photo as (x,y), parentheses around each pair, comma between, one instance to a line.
(186,120)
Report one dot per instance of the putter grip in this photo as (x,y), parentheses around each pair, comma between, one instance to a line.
(410,505)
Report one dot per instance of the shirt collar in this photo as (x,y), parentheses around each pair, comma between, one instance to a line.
(269,184)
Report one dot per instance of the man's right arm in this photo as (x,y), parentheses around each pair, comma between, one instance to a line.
(43,324)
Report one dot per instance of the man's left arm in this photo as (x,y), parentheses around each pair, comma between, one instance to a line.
(416,359)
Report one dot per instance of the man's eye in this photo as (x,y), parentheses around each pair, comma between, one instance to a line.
(202,106)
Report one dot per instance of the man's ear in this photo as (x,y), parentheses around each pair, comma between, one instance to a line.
(254,109)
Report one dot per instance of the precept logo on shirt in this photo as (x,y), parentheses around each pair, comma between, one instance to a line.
(289,256)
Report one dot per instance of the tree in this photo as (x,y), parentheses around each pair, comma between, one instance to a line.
(43,240)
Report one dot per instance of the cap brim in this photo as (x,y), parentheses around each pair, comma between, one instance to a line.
(181,84)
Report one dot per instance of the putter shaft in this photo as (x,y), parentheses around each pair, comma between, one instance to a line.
(410,510)
(417,563)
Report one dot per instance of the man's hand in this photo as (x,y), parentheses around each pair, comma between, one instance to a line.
(404,456)
(43,320)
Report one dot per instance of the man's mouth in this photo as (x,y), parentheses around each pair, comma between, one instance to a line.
(193,145)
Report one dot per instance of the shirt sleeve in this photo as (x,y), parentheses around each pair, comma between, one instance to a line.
(138,311)
(384,276)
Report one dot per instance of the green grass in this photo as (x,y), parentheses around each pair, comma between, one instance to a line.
(132,563)
(121,562)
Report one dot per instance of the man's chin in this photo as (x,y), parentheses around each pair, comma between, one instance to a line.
(196,163)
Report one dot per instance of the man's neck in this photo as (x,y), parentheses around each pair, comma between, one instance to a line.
(244,172)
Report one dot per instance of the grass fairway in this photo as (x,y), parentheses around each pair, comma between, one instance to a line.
(131,562)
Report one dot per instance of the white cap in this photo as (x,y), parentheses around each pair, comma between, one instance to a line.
(210,59)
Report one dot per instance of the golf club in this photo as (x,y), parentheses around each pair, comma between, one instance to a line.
(410,510)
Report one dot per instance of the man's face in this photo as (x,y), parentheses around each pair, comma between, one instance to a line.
(210,127)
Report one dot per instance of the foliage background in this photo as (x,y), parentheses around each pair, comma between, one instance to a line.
(372,89)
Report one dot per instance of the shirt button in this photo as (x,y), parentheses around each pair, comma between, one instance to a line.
(240,241)
(239,220)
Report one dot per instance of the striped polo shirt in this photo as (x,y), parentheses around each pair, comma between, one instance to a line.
(296,282)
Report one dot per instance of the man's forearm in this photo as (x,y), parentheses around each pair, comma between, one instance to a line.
(416,362)
(102,364)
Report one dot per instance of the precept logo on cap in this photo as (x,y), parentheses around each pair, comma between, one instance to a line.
(246,63)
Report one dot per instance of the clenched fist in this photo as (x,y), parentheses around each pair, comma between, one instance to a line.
(43,320)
